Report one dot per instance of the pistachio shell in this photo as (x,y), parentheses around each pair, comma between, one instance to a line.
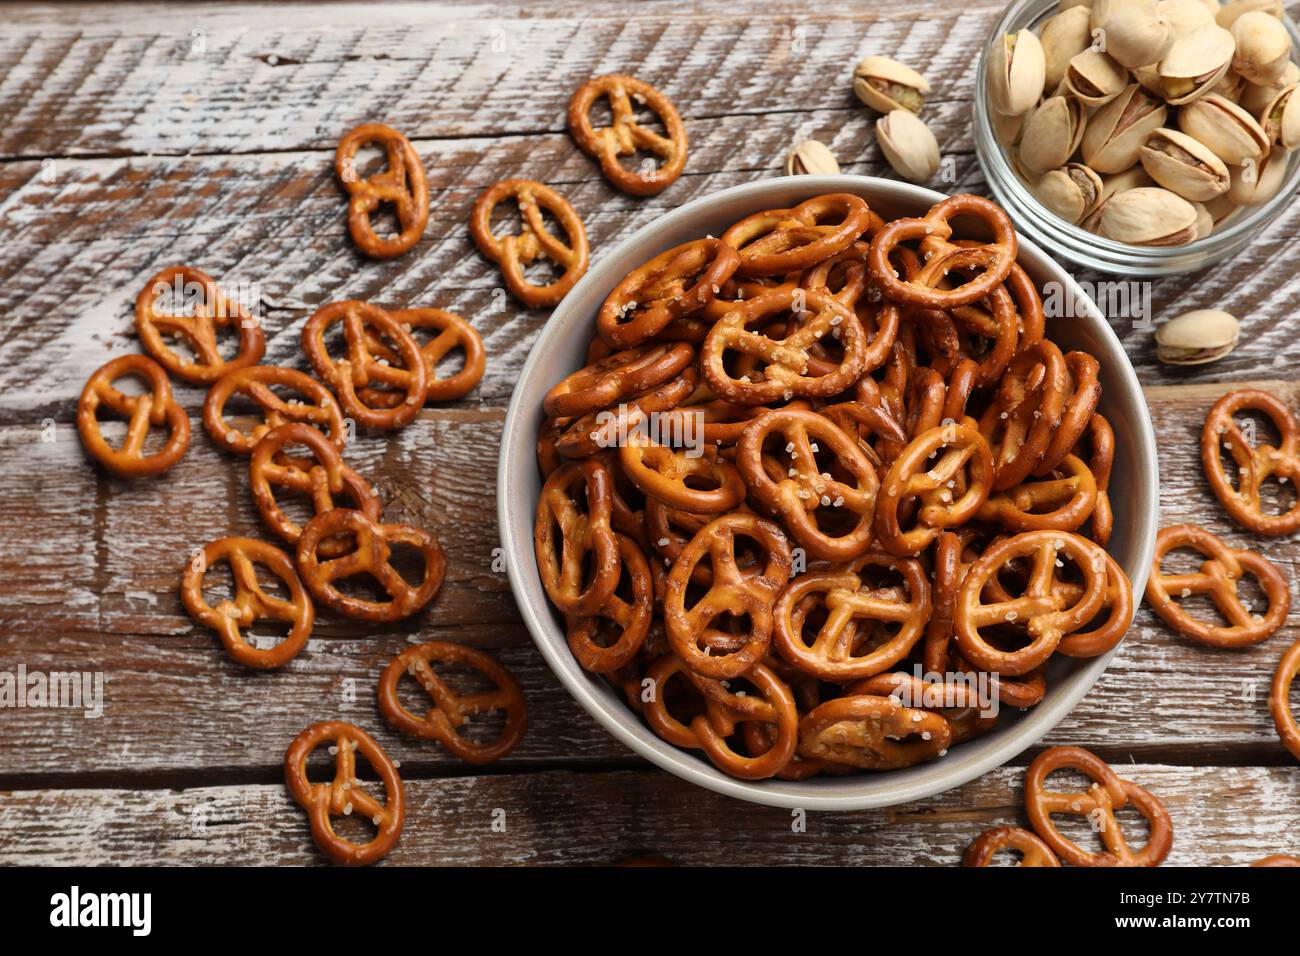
(1225,128)
(1231,85)
(1197,337)
(1071,192)
(1195,62)
(1183,165)
(1204,221)
(1281,121)
(908,144)
(1095,78)
(1148,217)
(1255,186)
(1007,128)
(811,158)
(1015,73)
(1134,31)
(1229,13)
(885,84)
(1117,130)
(1220,208)
(1186,16)
(1256,97)
(1263,47)
(1052,133)
(1064,37)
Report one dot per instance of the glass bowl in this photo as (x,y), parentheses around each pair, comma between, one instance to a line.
(1076,244)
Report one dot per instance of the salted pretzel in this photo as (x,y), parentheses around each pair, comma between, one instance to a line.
(626,136)
(401,185)
(875,733)
(452,711)
(1021,422)
(370,554)
(1107,794)
(953,698)
(451,332)
(211,311)
(673,284)
(630,618)
(1101,460)
(1278,859)
(598,431)
(703,483)
(257,383)
(346,795)
(1032,850)
(1255,463)
(616,378)
(1083,394)
(362,368)
(1062,501)
(573,522)
(156,408)
(780,241)
(250,602)
(515,252)
(321,478)
(1217,579)
(1279,700)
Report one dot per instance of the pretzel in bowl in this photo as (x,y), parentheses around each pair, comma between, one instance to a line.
(211,310)
(144,412)
(802,462)
(1255,463)
(626,136)
(401,185)
(317,407)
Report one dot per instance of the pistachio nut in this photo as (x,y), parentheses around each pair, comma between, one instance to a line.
(1052,133)
(1007,128)
(1095,78)
(1204,221)
(1183,165)
(1254,186)
(811,158)
(1030,179)
(1231,86)
(1064,37)
(1256,97)
(1225,128)
(1015,72)
(1117,131)
(885,84)
(1148,217)
(908,144)
(1071,192)
(1134,178)
(1134,32)
(1195,63)
(1263,47)
(1281,121)
(1230,13)
(1186,16)
(1220,208)
(1198,337)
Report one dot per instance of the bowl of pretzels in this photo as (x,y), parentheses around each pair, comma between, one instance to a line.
(806,499)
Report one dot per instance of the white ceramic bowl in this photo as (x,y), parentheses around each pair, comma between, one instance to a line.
(560,349)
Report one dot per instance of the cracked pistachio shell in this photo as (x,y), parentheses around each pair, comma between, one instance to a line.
(1197,337)
(1231,85)
(1186,16)
(1052,133)
(1204,221)
(908,144)
(1015,73)
(1134,178)
(1134,32)
(1064,37)
(1183,165)
(811,158)
(1007,128)
(1071,192)
(1117,131)
(1281,121)
(885,84)
(1148,217)
(1263,47)
(1095,78)
(1230,13)
(1220,208)
(1256,97)
(1195,63)
(1228,130)
(1254,187)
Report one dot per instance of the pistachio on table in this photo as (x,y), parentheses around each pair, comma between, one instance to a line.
(1016,73)
(1263,47)
(811,158)
(908,145)
(1198,337)
(1228,130)
(886,85)
(1183,165)
(1149,216)
(1052,133)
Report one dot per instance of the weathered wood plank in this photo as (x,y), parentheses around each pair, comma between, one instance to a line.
(1230,817)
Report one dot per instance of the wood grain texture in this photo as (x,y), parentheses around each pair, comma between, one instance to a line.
(1231,817)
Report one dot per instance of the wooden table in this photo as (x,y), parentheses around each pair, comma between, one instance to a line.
(135,136)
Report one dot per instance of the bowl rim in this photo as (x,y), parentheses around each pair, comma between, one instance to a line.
(518,439)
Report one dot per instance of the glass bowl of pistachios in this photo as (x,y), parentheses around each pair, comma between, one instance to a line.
(1141,137)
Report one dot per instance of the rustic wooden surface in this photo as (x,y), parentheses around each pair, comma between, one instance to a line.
(133,136)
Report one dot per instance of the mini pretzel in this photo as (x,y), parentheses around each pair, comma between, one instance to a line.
(1279,700)
(320,410)
(842,650)
(156,408)
(804,491)
(350,376)
(663,473)
(1106,795)
(599,431)
(1255,463)
(626,136)
(673,284)
(731,592)
(566,532)
(1033,851)
(1216,579)
(1101,439)
(786,240)
(212,311)
(513,253)
(630,618)
(1084,393)
(964,457)
(345,794)
(321,478)
(952,698)
(250,603)
(452,332)
(616,378)
(934,230)
(373,547)
(1278,859)
(1062,502)
(1021,421)
(451,711)
(402,184)
(876,733)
